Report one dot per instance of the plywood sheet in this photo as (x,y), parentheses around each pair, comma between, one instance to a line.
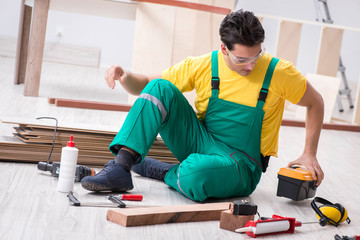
(128,217)
(356,116)
(328,87)
(329,51)
(288,40)
(186,33)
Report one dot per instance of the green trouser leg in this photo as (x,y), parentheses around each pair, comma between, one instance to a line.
(207,169)
(162,108)
(215,175)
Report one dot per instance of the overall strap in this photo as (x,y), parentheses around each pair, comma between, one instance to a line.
(214,74)
(265,87)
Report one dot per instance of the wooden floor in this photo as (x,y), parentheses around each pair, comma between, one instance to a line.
(31,208)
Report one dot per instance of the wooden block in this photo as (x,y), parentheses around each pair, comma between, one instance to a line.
(232,222)
(128,217)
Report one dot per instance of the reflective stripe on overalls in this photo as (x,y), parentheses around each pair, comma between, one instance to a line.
(216,156)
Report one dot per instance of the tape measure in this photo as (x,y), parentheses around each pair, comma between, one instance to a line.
(243,207)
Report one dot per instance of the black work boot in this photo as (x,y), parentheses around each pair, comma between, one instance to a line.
(152,168)
(115,176)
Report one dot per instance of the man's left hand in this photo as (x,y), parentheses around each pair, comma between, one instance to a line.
(310,162)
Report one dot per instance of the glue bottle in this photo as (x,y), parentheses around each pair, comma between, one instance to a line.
(69,156)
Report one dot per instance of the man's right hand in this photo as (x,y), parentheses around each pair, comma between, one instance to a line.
(133,83)
(115,73)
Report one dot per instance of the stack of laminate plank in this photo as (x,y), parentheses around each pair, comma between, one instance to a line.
(32,142)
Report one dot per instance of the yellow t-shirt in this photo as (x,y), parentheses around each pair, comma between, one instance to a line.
(287,83)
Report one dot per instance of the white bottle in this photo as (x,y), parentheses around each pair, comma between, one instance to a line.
(68,162)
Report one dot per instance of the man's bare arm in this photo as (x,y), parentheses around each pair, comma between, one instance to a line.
(314,104)
(133,83)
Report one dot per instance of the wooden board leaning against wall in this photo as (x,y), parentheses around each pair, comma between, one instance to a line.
(185,32)
(327,60)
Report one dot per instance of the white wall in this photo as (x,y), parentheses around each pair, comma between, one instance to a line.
(112,35)
(115,36)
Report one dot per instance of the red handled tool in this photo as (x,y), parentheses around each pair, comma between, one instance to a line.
(337,237)
(116,200)
(274,225)
(130,197)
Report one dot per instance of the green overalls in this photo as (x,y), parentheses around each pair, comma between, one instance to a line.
(219,157)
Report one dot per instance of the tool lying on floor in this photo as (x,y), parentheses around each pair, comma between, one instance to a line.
(243,207)
(274,225)
(54,168)
(337,237)
(296,183)
(116,200)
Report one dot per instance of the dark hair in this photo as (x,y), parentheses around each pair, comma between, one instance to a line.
(241,27)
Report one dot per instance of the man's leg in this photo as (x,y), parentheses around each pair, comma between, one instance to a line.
(216,174)
(161,107)
(152,168)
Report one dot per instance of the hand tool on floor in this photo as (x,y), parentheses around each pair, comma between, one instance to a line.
(54,168)
(130,197)
(337,237)
(243,207)
(116,200)
(275,225)
(296,183)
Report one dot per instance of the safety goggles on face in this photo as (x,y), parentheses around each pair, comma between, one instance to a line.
(245,61)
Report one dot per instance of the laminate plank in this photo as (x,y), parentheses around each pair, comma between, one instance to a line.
(170,214)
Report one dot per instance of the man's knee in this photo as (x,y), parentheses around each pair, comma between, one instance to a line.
(200,180)
(159,83)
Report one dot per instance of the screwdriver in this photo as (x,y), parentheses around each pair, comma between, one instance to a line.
(130,197)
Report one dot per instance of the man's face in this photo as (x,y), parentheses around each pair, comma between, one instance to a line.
(242,59)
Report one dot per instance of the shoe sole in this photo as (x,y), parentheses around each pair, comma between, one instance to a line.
(97,188)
